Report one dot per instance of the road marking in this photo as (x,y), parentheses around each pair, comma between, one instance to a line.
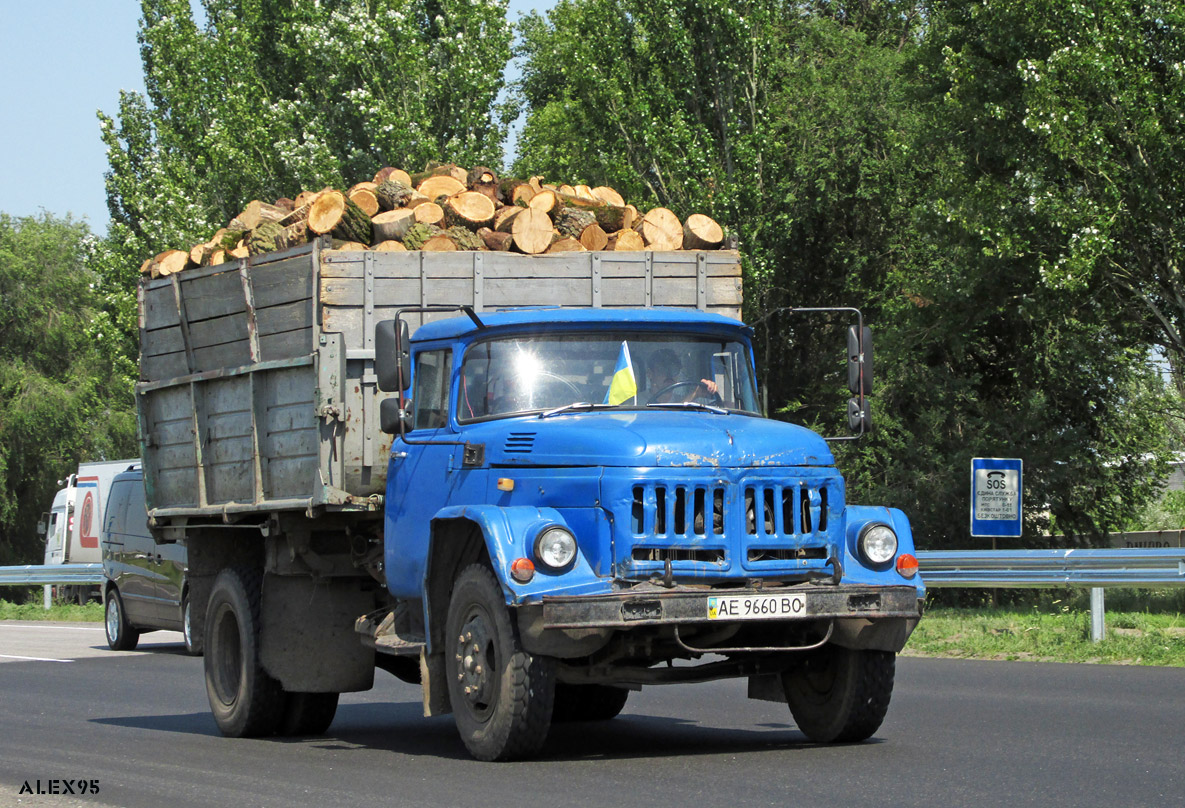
(50,625)
(33,658)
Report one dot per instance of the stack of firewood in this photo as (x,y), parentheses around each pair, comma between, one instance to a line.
(448,208)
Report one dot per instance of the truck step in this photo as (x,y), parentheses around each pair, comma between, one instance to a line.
(388,632)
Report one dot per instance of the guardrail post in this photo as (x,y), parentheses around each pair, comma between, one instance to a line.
(48,597)
(1097,629)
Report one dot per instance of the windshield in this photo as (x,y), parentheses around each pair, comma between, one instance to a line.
(501,377)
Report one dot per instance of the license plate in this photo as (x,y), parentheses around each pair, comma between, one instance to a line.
(756,607)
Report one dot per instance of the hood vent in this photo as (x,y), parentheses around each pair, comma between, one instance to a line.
(520,443)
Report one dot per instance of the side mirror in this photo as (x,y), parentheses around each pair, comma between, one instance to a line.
(860,360)
(859,415)
(42,528)
(392,419)
(392,355)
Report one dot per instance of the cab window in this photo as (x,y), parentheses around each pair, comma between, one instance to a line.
(430,394)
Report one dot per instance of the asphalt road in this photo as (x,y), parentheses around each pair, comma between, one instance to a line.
(958,733)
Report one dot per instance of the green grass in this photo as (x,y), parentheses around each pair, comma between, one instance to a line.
(68,612)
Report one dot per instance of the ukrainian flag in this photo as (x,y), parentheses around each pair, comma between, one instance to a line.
(623,385)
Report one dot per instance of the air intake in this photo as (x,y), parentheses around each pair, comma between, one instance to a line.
(519,443)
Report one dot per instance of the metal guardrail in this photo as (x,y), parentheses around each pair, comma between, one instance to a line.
(39,574)
(1137,567)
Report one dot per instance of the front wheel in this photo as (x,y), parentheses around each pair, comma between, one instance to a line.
(587,703)
(120,634)
(501,696)
(839,694)
(245,700)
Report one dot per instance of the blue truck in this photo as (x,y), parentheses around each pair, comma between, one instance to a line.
(531,485)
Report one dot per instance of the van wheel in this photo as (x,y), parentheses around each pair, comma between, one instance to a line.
(120,634)
(245,700)
(501,696)
(193,644)
(307,713)
(839,694)
(587,702)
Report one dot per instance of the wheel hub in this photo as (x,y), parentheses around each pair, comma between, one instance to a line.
(475,663)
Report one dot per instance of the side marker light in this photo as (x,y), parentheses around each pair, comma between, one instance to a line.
(907,565)
(522,570)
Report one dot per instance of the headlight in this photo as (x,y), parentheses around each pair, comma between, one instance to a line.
(555,548)
(878,543)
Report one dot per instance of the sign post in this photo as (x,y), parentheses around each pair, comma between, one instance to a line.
(996,496)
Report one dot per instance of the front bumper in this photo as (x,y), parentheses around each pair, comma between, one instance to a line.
(651,605)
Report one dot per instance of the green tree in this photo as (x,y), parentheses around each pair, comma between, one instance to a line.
(65,395)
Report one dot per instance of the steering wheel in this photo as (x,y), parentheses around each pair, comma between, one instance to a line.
(713,398)
(545,378)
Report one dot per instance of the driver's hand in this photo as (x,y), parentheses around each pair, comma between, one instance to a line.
(708,385)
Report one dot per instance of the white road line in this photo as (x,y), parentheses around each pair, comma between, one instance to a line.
(50,625)
(33,658)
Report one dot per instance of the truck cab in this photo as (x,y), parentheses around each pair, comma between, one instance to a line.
(578,498)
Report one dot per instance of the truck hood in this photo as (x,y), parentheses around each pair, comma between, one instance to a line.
(649,439)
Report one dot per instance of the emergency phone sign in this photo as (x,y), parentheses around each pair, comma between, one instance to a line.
(996,496)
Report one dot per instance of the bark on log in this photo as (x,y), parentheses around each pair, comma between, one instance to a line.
(701,232)
(418,233)
(392,194)
(532,231)
(389,173)
(625,241)
(661,230)
(231,238)
(256,212)
(286,203)
(263,238)
(471,209)
(571,222)
(498,242)
(465,238)
(392,224)
(333,212)
(293,235)
(484,181)
(609,217)
(594,238)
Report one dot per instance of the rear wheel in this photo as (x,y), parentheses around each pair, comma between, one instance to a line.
(193,644)
(308,713)
(501,696)
(839,694)
(244,699)
(587,702)
(120,634)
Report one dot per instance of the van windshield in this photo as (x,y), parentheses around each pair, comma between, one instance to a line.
(523,374)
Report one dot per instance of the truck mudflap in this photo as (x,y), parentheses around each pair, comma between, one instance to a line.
(649,605)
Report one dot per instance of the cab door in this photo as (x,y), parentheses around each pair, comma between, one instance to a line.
(129,552)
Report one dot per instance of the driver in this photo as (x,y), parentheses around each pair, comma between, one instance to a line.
(665,385)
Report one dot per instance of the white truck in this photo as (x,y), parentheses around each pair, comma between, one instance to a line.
(71,527)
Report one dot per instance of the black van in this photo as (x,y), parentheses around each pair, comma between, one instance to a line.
(145,584)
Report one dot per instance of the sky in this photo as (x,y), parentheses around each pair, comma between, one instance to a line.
(64,61)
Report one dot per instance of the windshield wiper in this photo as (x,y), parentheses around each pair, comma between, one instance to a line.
(576,405)
(686,405)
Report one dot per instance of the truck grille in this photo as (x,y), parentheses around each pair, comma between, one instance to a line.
(723,523)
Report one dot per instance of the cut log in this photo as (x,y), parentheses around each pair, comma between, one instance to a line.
(389,246)
(392,224)
(217,257)
(362,186)
(254,213)
(584,192)
(293,235)
(231,238)
(484,181)
(536,183)
(428,213)
(609,217)
(471,209)
(594,238)
(365,199)
(263,238)
(630,219)
(147,266)
(499,242)
(565,244)
(439,243)
(505,217)
(546,202)
(418,233)
(393,194)
(334,213)
(345,245)
(661,230)
(286,203)
(701,232)
(572,221)
(199,254)
(238,252)
(388,173)
(415,199)
(608,196)
(440,185)
(625,241)
(532,231)
(567,190)
(522,194)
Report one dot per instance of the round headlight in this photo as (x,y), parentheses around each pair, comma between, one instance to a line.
(555,548)
(878,543)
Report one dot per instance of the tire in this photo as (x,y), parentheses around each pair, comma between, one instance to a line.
(587,703)
(193,645)
(245,700)
(307,713)
(501,696)
(120,634)
(840,695)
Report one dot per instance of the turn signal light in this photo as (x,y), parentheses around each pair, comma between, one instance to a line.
(505,484)
(522,570)
(907,565)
